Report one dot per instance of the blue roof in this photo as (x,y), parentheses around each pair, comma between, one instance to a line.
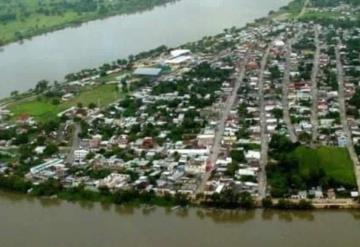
(147,71)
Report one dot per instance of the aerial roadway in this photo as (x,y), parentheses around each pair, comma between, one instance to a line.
(215,150)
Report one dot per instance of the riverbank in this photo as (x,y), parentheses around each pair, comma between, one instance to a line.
(51,17)
(95,186)
(52,189)
(101,41)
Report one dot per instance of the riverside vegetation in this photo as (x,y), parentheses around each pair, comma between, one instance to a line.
(138,147)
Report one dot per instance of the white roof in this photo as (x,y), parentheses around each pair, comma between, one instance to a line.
(178,60)
(279,43)
(252,154)
(246,172)
(179,52)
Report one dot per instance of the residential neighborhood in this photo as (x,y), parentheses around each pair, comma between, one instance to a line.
(269,111)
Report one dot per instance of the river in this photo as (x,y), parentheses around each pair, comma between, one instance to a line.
(53,55)
(41,223)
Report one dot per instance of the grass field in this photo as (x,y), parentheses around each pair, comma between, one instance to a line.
(43,110)
(317,15)
(334,161)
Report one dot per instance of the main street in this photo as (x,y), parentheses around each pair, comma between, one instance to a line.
(215,150)
(285,93)
(314,88)
(75,143)
(344,122)
(263,129)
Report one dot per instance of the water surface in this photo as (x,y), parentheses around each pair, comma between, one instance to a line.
(56,54)
(41,223)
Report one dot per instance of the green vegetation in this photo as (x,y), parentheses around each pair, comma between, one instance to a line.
(53,187)
(43,109)
(335,162)
(230,199)
(333,3)
(21,19)
(330,18)
(301,168)
(292,10)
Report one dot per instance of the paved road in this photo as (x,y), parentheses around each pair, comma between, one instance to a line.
(314,89)
(342,106)
(215,150)
(263,129)
(285,93)
(75,143)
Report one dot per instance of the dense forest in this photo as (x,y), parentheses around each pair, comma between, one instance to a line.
(21,19)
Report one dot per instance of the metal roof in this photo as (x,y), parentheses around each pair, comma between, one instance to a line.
(147,71)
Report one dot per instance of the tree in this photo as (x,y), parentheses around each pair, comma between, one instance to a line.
(181,199)
(14,93)
(51,149)
(41,86)
(275,72)
(237,155)
(281,144)
(55,101)
(231,169)
(246,201)
(21,139)
(355,100)
(92,106)
(267,203)
(278,113)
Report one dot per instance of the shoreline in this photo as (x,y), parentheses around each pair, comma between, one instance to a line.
(77,23)
(317,204)
(67,195)
(272,14)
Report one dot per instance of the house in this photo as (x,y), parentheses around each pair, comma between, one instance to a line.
(80,155)
(205,140)
(252,155)
(115,181)
(196,166)
(342,141)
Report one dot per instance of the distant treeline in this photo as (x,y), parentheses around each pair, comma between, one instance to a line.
(20,19)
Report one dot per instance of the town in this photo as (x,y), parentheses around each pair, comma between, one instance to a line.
(265,111)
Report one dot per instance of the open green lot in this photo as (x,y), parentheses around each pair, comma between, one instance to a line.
(304,168)
(43,109)
(335,162)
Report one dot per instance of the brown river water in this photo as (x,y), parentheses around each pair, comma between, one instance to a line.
(27,221)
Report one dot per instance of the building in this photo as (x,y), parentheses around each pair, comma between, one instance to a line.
(342,141)
(80,155)
(151,72)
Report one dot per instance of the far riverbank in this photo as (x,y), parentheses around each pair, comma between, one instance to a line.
(51,57)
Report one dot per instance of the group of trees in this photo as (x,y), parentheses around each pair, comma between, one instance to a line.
(29,18)
(284,204)
(13,10)
(287,175)
(230,199)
